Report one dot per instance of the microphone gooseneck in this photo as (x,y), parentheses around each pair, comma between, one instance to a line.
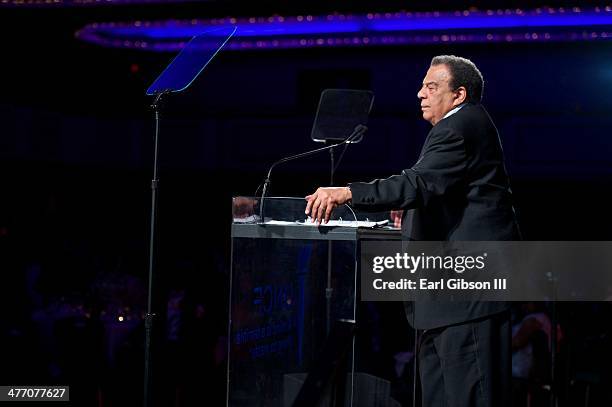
(355,136)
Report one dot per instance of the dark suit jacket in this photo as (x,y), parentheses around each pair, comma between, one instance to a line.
(457,190)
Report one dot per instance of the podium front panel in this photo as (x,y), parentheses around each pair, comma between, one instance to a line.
(291,286)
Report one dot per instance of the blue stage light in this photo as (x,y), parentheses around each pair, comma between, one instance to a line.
(371,29)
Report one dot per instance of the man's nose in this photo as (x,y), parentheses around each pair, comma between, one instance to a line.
(420,94)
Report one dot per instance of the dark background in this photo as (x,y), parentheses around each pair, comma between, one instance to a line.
(76,148)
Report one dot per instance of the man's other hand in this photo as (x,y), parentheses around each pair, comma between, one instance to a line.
(396,218)
(321,204)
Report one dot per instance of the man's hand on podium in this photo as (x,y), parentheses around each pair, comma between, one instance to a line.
(321,204)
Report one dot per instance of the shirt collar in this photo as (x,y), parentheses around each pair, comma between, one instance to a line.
(452,112)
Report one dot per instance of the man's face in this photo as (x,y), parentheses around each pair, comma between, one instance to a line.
(436,96)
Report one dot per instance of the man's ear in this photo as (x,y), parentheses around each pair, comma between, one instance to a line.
(460,96)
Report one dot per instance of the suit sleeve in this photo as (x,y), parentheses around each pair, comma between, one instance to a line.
(440,168)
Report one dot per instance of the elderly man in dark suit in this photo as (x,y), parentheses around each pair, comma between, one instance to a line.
(458,190)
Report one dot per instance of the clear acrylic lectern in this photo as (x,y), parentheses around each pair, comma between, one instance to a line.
(295,335)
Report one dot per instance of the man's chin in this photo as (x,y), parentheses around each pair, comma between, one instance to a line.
(429,118)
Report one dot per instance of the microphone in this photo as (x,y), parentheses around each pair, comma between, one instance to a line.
(355,136)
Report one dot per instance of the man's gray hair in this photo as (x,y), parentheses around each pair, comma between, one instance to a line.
(463,73)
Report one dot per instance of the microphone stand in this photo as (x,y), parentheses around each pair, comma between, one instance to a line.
(331,159)
(357,134)
(329,290)
(150,315)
